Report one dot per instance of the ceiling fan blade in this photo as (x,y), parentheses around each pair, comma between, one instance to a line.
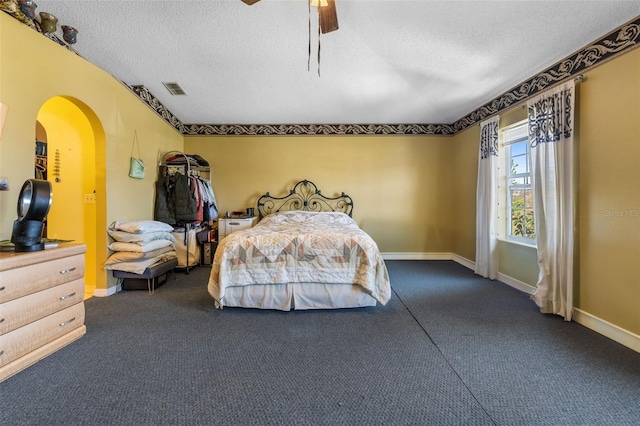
(328,17)
(250,2)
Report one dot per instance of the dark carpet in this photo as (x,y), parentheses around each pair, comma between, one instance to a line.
(450,348)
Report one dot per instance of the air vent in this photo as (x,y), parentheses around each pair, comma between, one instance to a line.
(174,88)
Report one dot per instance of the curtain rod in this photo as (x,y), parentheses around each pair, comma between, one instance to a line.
(577,79)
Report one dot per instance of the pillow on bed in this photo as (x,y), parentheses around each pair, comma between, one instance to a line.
(140,226)
(138,247)
(302,216)
(128,256)
(128,237)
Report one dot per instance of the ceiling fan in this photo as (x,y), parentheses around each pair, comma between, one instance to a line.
(327,15)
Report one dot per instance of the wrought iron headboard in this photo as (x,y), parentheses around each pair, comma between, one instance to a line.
(305,195)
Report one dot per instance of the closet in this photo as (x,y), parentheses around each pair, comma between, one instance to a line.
(185,200)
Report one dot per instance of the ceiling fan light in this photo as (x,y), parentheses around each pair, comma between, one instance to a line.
(328,17)
(320,3)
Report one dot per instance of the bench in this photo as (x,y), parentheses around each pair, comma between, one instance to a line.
(132,281)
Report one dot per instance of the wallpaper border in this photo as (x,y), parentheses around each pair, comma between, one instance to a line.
(617,42)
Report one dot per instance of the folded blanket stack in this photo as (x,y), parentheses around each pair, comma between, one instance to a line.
(139,245)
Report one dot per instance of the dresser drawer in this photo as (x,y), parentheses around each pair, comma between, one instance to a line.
(23,310)
(29,279)
(30,337)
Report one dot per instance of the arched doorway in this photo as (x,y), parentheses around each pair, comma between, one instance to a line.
(75,146)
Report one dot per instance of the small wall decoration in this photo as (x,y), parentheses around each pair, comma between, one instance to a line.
(56,166)
(136,165)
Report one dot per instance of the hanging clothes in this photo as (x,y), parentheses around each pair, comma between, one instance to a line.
(195,190)
(164,209)
(213,206)
(182,195)
(175,202)
(209,207)
(186,207)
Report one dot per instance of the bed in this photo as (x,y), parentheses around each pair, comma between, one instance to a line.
(306,252)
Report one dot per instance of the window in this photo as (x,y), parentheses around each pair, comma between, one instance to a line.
(518,194)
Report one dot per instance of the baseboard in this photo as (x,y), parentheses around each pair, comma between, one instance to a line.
(517,284)
(416,256)
(464,261)
(511,282)
(612,331)
(430,256)
(101,292)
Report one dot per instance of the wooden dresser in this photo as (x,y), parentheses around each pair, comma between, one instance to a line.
(41,304)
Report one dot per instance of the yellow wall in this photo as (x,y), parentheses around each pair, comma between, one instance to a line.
(609,192)
(464,167)
(35,69)
(400,184)
(518,261)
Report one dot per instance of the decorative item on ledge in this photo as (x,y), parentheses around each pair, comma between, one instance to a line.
(13,8)
(28,7)
(69,34)
(48,23)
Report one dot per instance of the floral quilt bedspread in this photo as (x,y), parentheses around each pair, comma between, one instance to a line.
(300,247)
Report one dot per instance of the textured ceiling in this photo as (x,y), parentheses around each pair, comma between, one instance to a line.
(390,62)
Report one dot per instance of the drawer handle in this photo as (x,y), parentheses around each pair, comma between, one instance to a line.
(1,320)
(2,288)
(234,223)
(62,324)
(66,271)
(68,296)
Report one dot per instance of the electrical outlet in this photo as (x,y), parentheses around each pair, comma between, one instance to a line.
(89,198)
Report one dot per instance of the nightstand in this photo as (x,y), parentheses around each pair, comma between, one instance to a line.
(228,225)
